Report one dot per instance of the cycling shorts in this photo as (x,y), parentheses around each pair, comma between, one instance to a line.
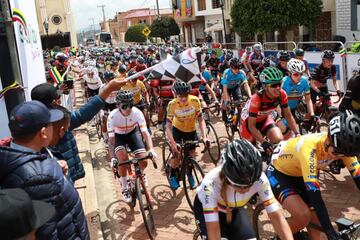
(284,186)
(239,228)
(235,93)
(205,96)
(180,136)
(263,126)
(132,139)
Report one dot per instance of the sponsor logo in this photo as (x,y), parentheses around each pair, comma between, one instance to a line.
(312,162)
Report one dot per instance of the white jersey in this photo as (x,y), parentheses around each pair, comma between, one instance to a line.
(209,194)
(111,99)
(120,124)
(93,83)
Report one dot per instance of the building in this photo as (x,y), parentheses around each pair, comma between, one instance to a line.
(59,17)
(348,18)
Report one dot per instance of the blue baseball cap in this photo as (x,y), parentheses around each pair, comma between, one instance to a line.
(30,117)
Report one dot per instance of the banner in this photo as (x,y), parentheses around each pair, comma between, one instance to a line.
(28,44)
(4,130)
(353,63)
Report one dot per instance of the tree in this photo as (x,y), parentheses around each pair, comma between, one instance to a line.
(134,33)
(164,27)
(260,16)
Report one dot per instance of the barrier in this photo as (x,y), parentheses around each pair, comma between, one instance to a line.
(352,63)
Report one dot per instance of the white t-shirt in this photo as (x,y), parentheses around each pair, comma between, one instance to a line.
(120,124)
(112,97)
(209,194)
(93,83)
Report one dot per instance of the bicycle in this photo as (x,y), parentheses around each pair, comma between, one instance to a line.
(232,120)
(324,107)
(213,147)
(138,191)
(188,166)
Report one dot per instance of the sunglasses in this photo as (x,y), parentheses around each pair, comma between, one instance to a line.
(276,85)
(239,186)
(126,106)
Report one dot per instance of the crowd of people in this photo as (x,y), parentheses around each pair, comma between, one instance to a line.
(42,157)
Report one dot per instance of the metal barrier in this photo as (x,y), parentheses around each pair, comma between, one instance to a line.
(320,42)
(277,43)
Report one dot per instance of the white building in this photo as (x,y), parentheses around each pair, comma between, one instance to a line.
(348,18)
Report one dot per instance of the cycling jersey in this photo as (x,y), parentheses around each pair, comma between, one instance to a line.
(304,156)
(231,80)
(283,70)
(164,87)
(207,76)
(111,98)
(295,91)
(131,65)
(322,74)
(351,99)
(223,67)
(209,194)
(213,63)
(137,88)
(92,83)
(120,124)
(255,60)
(195,87)
(183,115)
(139,68)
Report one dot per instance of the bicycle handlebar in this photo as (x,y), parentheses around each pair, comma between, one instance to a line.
(137,160)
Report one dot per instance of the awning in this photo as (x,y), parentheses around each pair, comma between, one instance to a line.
(214,28)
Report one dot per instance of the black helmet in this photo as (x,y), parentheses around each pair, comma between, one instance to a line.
(328,54)
(266,62)
(124,97)
(131,72)
(235,63)
(299,52)
(122,68)
(140,60)
(229,56)
(242,163)
(180,87)
(344,133)
(108,75)
(284,55)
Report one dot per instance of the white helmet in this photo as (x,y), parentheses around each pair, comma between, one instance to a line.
(91,70)
(295,66)
(257,47)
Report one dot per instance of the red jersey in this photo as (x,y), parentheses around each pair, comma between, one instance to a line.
(139,68)
(195,87)
(164,87)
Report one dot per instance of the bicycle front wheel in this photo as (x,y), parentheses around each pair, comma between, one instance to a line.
(192,175)
(214,146)
(145,208)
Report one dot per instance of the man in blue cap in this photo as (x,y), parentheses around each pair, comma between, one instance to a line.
(25,163)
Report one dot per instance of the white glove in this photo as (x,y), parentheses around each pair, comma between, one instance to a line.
(113,162)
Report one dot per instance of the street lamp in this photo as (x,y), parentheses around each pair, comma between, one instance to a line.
(46,26)
(222,4)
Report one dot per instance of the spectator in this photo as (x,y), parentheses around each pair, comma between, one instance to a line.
(25,162)
(208,40)
(20,216)
(50,96)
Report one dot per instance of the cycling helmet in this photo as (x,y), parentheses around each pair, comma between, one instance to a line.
(271,75)
(299,52)
(124,97)
(213,52)
(228,56)
(284,55)
(344,133)
(235,63)
(90,70)
(140,60)
(133,56)
(257,47)
(266,62)
(131,72)
(180,87)
(296,66)
(328,54)
(242,163)
(248,50)
(122,68)
(108,75)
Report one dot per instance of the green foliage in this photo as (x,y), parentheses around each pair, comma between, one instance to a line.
(134,33)
(260,16)
(164,27)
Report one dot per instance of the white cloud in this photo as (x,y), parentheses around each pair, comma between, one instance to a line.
(84,10)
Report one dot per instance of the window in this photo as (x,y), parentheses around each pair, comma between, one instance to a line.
(355,10)
(201,5)
(215,3)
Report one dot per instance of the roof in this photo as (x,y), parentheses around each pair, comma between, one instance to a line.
(148,12)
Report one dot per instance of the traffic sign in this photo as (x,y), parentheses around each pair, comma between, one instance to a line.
(146,31)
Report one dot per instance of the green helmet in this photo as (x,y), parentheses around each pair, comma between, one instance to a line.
(271,75)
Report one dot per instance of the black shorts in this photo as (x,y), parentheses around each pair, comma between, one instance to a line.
(239,228)
(284,186)
(140,105)
(92,93)
(205,96)
(132,139)
(109,106)
(180,136)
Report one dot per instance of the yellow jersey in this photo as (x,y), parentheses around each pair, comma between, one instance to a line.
(137,88)
(183,115)
(304,156)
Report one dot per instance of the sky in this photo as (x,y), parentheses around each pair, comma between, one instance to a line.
(84,10)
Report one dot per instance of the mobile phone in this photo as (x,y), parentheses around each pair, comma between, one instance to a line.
(69,84)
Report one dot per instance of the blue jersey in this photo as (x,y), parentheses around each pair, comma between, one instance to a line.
(295,91)
(207,76)
(231,80)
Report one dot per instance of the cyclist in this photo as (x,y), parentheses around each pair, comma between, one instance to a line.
(182,113)
(266,62)
(209,82)
(255,57)
(296,87)
(299,54)
(294,172)
(321,73)
(213,64)
(132,62)
(256,116)
(283,57)
(93,81)
(126,127)
(245,57)
(140,65)
(231,83)
(122,71)
(225,190)
(351,100)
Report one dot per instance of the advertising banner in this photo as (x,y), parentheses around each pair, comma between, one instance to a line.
(353,63)
(28,44)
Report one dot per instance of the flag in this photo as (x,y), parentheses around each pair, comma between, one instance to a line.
(55,75)
(343,52)
(184,66)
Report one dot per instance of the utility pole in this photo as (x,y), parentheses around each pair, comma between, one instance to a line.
(93,26)
(157,6)
(104,17)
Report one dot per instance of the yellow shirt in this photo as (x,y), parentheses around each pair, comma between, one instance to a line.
(137,88)
(304,156)
(183,115)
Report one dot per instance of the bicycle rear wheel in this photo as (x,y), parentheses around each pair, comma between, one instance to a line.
(191,167)
(146,208)
(214,146)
